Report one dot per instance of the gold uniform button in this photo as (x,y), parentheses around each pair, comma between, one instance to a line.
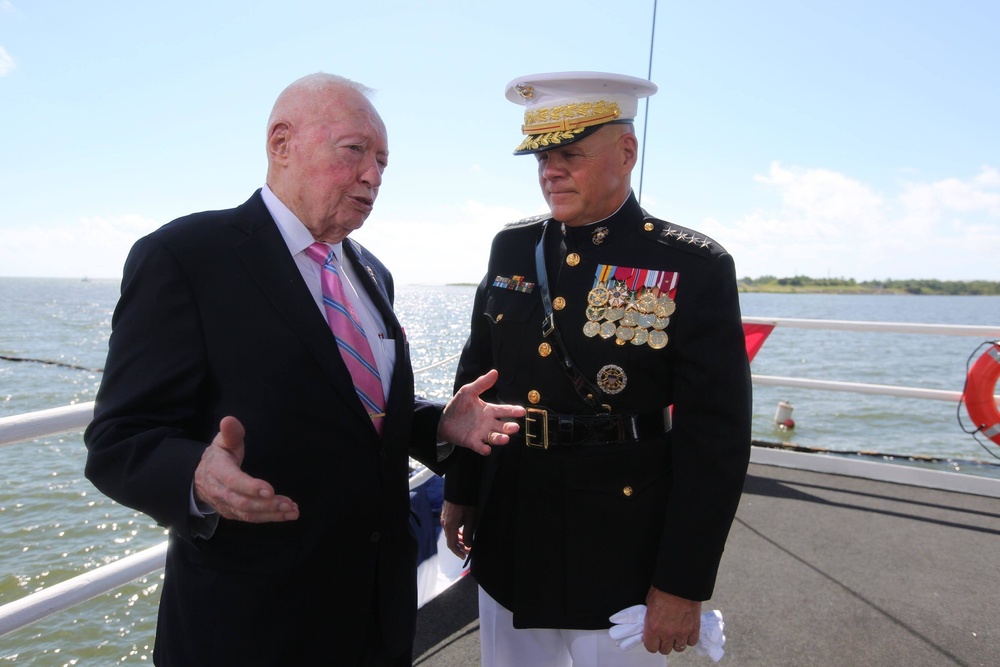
(648,226)
(534,397)
(558,303)
(627,490)
(544,349)
(572,259)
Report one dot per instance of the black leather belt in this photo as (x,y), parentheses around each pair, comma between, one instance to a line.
(544,429)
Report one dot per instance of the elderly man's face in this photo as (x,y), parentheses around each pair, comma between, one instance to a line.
(587,180)
(336,156)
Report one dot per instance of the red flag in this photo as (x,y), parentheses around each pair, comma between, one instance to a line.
(755,334)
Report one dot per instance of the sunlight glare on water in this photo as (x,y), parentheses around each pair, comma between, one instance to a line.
(54,524)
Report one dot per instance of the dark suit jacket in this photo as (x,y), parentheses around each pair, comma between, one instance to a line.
(214,319)
(567,537)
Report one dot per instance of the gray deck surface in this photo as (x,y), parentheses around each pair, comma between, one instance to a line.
(822,569)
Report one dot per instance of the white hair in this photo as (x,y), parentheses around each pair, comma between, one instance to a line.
(315,83)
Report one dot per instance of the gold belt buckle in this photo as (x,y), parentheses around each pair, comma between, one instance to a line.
(532,416)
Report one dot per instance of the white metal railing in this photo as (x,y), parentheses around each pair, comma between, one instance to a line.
(884,327)
(43,423)
(58,597)
(990,332)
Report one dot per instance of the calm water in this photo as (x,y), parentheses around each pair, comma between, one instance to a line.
(54,524)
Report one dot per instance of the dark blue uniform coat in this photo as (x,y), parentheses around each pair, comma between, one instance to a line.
(568,536)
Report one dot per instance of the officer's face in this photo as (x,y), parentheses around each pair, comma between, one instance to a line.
(588,180)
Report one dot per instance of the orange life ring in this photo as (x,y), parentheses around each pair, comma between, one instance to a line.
(979,389)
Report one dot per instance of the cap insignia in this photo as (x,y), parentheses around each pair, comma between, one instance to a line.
(525,91)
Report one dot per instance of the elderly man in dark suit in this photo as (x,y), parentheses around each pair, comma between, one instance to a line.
(622,335)
(228,412)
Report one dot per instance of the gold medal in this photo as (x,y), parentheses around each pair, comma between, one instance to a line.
(625,334)
(640,337)
(614,314)
(660,323)
(646,320)
(598,296)
(630,319)
(608,329)
(595,313)
(665,306)
(646,302)
(612,379)
(591,329)
(657,340)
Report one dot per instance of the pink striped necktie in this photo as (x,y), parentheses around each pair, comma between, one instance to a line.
(349,333)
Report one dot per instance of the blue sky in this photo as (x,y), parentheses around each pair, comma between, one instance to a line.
(826,138)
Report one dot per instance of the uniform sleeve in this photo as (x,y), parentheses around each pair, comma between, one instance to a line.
(711,431)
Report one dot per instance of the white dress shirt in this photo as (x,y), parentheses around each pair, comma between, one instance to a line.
(297,237)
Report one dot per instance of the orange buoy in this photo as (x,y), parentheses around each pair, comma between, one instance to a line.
(979,389)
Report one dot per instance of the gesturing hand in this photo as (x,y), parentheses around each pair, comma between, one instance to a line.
(221,484)
(469,421)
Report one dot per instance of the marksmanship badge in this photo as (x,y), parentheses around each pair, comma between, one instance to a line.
(612,379)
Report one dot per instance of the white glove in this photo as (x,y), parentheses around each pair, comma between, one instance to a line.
(627,631)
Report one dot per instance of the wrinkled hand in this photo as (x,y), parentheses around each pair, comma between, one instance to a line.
(672,623)
(470,422)
(458,522)
(221,484)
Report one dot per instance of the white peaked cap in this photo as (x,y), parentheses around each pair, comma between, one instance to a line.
(562,107)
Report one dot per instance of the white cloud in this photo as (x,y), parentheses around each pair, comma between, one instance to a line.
(437,252)
(434,252)
(821,224)
(94,247)
(6,62)
(828,224)
(980,195)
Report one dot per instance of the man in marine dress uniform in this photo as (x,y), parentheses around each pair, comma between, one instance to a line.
(622,335)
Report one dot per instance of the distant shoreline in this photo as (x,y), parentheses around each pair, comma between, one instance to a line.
(806,285)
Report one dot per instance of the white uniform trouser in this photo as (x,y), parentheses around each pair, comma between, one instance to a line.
(505,646)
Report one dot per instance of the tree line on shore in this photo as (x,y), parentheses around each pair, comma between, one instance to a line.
(806,284)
